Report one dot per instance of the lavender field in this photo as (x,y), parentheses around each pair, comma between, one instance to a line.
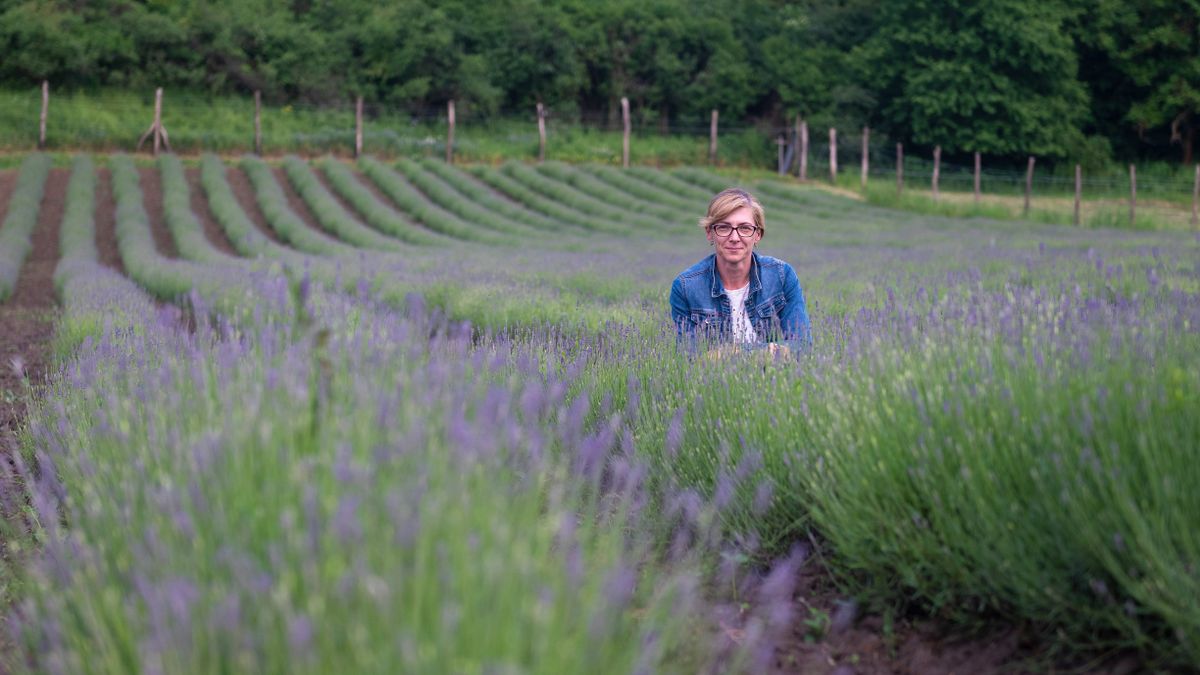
(314,416)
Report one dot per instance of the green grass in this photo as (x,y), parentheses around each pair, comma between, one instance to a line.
(994,426)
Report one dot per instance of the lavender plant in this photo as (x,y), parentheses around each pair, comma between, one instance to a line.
(373,500)
(378,214)
(498,459)
(330,212)
(18,223)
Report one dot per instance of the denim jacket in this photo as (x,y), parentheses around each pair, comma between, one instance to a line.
(700,308)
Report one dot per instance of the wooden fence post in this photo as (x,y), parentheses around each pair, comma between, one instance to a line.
(1028,185)
(1196,197)
(625,134)
(780,142)
(45,113)
(832,155)
(795,141)
(157,118)
(157,130)
(937,169)
(803,147)
(899,168)
(712,139)
(541,119)
(358,126)
(865,150)
(450,131)
(258,123)
(978,167)
(1132,195)
(1079,193)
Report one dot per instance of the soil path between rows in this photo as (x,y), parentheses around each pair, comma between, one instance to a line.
(106,223)
(388,202)
(297,204)
(8,183)
(340,199)
(27,318)
(152,200)
(208,222)
(243,190)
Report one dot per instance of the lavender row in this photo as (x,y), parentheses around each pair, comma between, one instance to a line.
(19,221)
(96,300)
(357,496)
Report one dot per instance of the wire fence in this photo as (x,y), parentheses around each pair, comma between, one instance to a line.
(114,121)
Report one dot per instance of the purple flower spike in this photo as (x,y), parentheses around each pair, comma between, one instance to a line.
(300,634)
(674,434)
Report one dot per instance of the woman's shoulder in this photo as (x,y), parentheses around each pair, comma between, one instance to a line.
(698,270)
(768,262)
(773,267)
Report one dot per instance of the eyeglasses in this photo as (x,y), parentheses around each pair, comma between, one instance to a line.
(745,231)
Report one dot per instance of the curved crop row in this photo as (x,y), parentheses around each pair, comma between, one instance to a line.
(781,193)
(417,205)
(672,184)
(330,213)
(328,273)
(618,221)
(282,218)
(22,216)
(642,189)
(181,221)
(242,233)
(533,199)
(701,178)
(93,296)
(225,287)
(488,197)
(379,215)
(77,236)
(450,199)
(632,205)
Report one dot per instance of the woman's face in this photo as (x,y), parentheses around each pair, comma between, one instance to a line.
(735,249)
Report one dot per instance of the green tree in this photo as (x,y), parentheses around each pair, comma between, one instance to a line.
(807,60)
(996,77)
(1155,46)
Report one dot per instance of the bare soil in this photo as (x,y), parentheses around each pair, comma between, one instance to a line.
(152,200)
(208,222)
(297,204)
(387,201)
(341,200)
(106,222)
(27,317)
(8,182)
(829,638)
(825,639)
(243,190)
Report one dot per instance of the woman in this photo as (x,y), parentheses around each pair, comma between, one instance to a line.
(736,295)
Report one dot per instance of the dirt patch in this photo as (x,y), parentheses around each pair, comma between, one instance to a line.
(830,637)
(27,317)
(379,194)
(106,223)
(243,190)
(208,222)
(8,182)
(153,202)
(341,200)
(297,204)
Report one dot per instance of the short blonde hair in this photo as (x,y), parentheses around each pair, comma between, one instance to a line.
(729,200)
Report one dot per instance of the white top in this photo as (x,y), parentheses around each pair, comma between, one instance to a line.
(742,330)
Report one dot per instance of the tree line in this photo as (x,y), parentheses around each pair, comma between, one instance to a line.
(1082,80)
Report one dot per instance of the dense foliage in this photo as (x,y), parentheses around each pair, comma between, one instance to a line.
(475,450)
(1063,78)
